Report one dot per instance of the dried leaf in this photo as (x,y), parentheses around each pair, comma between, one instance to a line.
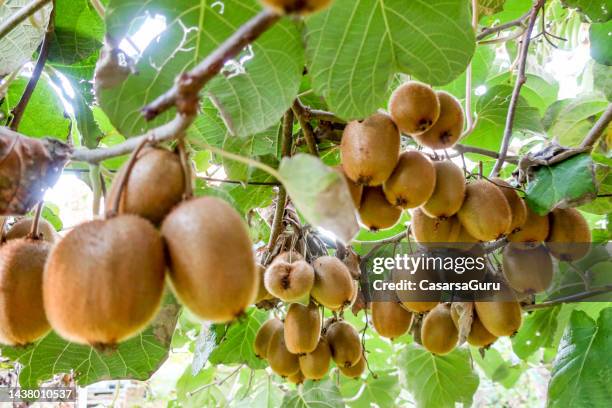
(465,311)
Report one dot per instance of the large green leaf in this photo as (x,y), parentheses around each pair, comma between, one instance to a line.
(580,375)
(323,394)
(599,34)
(564,182)
(356,47)
(189,390)
(496,368)
(569,120)
(537,331)
(481,65)
(438,381)
(602,79)
(539,92)
(137,358)
(595,10)
(381,390)
(252,92)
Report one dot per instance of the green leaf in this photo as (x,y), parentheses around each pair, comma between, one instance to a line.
(538,91)
(580,375)
(251,93)
(320,194)
(235,343)
(17,47)
(602,79)
(137,358)
(319,394)
(602,205)
(565,182)
(438,381)
(496,368)
(569,120)
(596,10)
(600,34)
(355,47)
(44,114)
(267,395)
(513,9)
(481,65)
(537,331)
(188,383)
(489,7)
(382,390)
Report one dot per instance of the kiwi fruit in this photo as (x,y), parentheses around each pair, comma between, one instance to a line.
(210,253)
(415,301)
(288,256)
(22,313)
(355,189)
(289,281)
(370,149)
(449,127)
(390,319)
(22,228)
(302,328)
(262,292)
(518,208)
(155,185)
(281,361)
(449,192)
(485,212)
(344,344)
(569,235)
(429,230)
(314,365)
(527,271)
(355,371)
(297,378)
(414,107)
(264,335)
(500,318)
(333,285)
(438,333)
(104,281)
(375,212)
(412,182)
(533,231)
(479,336)
(296,6)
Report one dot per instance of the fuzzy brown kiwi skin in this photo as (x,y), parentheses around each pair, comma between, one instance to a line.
(289,281)
(355,189)
(390,319)
(333,286)
(104,281)
(375,212)
(438,333)
(370,149)
(415,301)
(431,231)
(302,328)
(213,285)
(449,127)
(355,371)
(288,256)
(344,343)
(22,315)
(156,184)
(527,271)
(264,335)
(485,212)
(414,107)
(297,378)
(412,182)
(281,361)
(500,318)
(449,193)
(297,6)
(569,235)
(22,228)
(262,292)
(478,336)
(532,233)
(517,205)
(315,365)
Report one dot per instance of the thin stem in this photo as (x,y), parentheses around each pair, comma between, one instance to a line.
(461,149)
(216,383)
(571,298)
(35,221)
(96,186)
(99,7)
(249,183)
(186,165)
(598,129)
(494,30)
(309,136)
(2,225)
(469,73)
(17,18)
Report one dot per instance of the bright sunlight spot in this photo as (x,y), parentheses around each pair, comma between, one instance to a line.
(135,45)
(74,198)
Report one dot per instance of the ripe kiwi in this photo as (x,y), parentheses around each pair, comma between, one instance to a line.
(412,182)
(22,228)
(438,333)
(288,256)
(370,149)
(479,336)
(569,234)
(414,107)
(22,314)
(375,212)
(302,328)
(500,318)
(296,6)
(314,365)
(413,300)
(264,335)
(354,371)
(449,192)
(104,280)
(289,281)
(449,127)
(344,344)
(485,212)
(297,378)
(333,285)
(533,231)
(156,184)
(281,361)
(212,267)
(390,319)
(527,271)
(262,292)
(517,205)
(355,189)
(429,230)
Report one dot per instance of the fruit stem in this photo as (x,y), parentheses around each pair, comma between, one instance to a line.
(2,224)
(302,116)
(96,186)
(34,231)
(571,298)
(185,164)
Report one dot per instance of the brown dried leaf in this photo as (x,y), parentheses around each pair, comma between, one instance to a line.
(465,311)
(351,260)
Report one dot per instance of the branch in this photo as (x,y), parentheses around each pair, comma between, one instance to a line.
(484,152)
(520,81)
(301,115)
(38,68)
(519,22)
(571,298)
(600,126)
(15,19)
(189,84)
(245,183)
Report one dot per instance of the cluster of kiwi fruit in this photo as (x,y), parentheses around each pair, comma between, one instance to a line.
(103,282)
(301,346)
